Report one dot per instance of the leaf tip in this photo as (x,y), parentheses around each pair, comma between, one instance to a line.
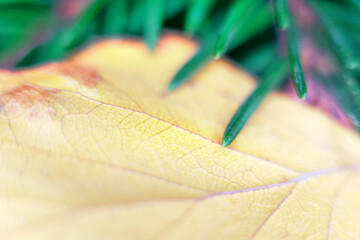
(302,96)
(172,86)
(299,84)
(217,55)
(219,47)
(225,143)
(301,91)
(151,44)
(227,140)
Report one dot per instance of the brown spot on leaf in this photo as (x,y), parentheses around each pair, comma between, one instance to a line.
(28,101)
(85,76)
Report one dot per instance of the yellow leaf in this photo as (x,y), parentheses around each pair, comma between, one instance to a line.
(95,148)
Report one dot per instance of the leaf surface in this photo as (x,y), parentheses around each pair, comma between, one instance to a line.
(95,148)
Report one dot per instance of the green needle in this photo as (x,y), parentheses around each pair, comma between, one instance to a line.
(197,12)
(73,32)
(344,48)
(116,16)
(297,75)
(274,76)
(233,20)
(191,67)
(262,20)
(282,15)
(153,22)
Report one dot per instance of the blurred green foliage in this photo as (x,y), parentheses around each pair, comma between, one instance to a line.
(32,32)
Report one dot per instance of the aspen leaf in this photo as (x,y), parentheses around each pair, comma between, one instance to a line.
(95,148)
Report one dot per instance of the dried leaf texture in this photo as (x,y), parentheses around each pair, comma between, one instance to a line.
(95,148)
